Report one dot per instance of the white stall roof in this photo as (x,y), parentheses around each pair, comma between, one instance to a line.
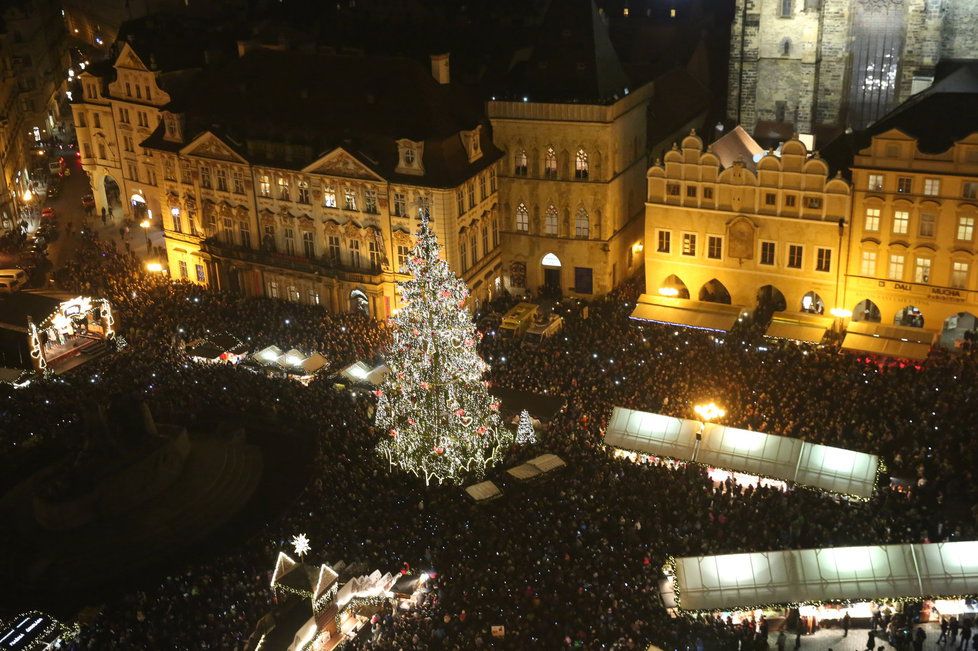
(837,470)
(754,453)
(361,372)
(800,576)
(686,313)
(641,431)
(547,462)
(808,328)
(484,490)
(744,451)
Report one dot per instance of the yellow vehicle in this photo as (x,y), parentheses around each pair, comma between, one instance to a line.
(517,320)
(542,328)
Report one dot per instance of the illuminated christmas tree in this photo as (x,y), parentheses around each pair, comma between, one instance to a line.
(524,431)
(438,419)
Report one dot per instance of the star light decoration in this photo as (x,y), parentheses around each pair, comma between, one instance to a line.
(300,544)
(434,409)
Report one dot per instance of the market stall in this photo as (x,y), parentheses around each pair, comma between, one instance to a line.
(686,313)
(806,328)
(900,342)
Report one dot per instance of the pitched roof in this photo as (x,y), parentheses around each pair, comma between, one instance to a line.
(573,60)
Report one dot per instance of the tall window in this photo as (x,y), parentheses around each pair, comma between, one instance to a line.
(768,253)
(329,197)
(313,297)
(222,179)
(689,244)
(959,274)
(714,247)
(795,256)
(872,219)
(550,220)
(303,192)
(227,230)
(184,272)
(205,177)
(921,270)
(293,293)
(470,188)
(485,239)
(582,224)
(400,204)
(424,207)
(370,201)
(969,190)
(333,246)
(290,241)
(268,238)
(201,276)
(520,163)
(355,253)
(492,179)
(460,201)
(896,266)
(966,228)
(495,232)
(550,164)
(244,234)
(875,183)
(663,242)
(932,187)
(522,218)
(904,184)
(402,257)
(784,8)
(374,252)
(272,289)
(237,181)
(928,223)
(264,186)
(463,254)
(308,245)
(482,187)
(901,222)
(349,200)
(867,265)
(823,260)
(581,169)
(283,189)
(473,248)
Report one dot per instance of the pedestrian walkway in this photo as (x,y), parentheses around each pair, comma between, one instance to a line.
(832,638)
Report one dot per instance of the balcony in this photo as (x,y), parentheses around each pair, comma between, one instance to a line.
(320,265)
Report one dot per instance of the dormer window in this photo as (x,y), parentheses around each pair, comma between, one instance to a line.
(473,147)
(171,128)
(409,156)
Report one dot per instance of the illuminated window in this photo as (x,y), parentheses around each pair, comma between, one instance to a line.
(237,181)
(201,277)
(303,196)
(872,219)
(581,169)
(966,228)
(550,164)
(184,272)
(959,274)
(264,186)
(205,177)
(522,218)
(402,257)
(293,293)
(349,200)
(283,189)
(868,263)
(896,266)
(370,201)
(932,187)
(329,197)
(921,270)
(928,222)
(374,252)
(901,222)
(520,163)
(875,183)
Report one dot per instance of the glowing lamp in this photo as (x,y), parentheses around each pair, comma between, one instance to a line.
(145,223)
(637,247)
(28,196)
(668,291)
(709,411)
(840,312)
(154,267)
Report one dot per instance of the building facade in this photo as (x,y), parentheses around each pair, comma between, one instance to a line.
(773,235)
(318,205)
(798,64)
(575,136)
(914,234)
(33,63)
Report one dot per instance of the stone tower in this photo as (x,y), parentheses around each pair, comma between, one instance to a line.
(796,65)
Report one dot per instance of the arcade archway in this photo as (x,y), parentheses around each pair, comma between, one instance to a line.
(909,316)
(812,303)
(713,291)
(674,286)
(359,302)
(867,310)
(960,331)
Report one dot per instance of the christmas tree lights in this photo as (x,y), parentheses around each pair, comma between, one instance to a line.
(434,409)
(524,431)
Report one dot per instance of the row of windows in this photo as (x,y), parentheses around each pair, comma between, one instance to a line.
(582,223)
(487,185)
(468,248)
(582,168)
(141,91)
(897,265)
(185,271)
(794,254)
(274,290)
(770,198)
(905,185)
(142,118)
(926,227)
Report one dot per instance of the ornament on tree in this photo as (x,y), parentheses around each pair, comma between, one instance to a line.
(435,398)
(524,430)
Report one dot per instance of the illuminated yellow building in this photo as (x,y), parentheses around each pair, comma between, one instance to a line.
(732,231)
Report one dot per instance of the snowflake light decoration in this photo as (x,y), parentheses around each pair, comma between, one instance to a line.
(300,544)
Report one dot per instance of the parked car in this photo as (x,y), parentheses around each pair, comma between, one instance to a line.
(48,213)
(11,280)
(88,201)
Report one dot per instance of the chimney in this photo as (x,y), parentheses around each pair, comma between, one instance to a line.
(439,68)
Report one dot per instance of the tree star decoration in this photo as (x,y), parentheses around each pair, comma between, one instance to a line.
(441,422)
(524,430)
(300,544)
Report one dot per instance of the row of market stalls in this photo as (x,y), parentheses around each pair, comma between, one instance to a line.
(860,337)
(752,457)
(935,573)
(272,360)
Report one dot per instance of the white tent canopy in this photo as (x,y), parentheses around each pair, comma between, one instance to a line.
(745,451)
(361,372)
(800,576)
(484,490)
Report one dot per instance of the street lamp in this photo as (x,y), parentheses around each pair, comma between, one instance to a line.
(709,411)
(154,267)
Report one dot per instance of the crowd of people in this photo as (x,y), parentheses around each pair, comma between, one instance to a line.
(571,561)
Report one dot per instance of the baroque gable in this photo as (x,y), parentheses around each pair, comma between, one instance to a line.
(129,59)
(342,163)
(207,145)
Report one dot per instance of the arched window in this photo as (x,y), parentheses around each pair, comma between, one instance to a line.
(581,166)
(582,226)
(522,218)
(520,163)
(550,164)
(550,220)
(785,47)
